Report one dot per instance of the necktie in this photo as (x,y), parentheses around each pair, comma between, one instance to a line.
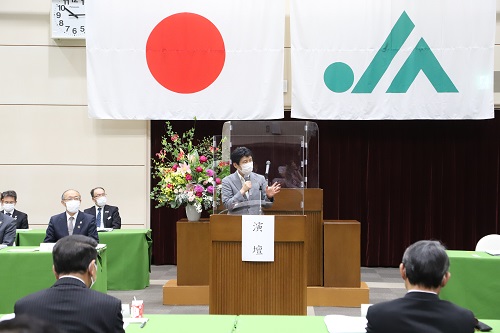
(98,218)
(70,225)
(243,183)
(9,214)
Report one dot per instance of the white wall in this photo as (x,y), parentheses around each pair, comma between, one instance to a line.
(48,142)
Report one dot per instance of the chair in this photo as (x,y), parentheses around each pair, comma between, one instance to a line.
(488,243)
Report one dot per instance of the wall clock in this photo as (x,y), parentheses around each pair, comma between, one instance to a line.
(68,19)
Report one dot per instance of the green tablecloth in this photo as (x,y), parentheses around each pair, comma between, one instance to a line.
(129,255)
(186,324)
(474,283)
(241,324)
(23,273)
(273,324)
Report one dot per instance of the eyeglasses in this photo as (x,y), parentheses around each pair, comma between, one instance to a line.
(71,198)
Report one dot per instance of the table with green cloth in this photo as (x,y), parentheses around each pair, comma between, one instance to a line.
(129,255)
(474,283)
(25,271)
(242,324)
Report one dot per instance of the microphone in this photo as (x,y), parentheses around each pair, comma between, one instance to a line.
(268,163)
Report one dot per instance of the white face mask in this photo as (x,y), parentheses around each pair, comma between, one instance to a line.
(8,207)
(73,206)
(101,201)
(247,168)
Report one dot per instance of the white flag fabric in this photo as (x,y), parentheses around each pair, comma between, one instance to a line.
(392,59)
(157,59)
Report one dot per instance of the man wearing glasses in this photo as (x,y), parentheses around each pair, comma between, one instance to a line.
(72,221)
(106,216)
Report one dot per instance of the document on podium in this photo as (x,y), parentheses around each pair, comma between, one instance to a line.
(257,238)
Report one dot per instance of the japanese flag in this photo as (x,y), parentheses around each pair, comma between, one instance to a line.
(157,59)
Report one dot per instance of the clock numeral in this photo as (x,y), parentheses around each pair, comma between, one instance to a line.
(83,2)
(67,27)
(61,23)
(74,31)
(61,7)
(58,15)
(66,2)
(82,28)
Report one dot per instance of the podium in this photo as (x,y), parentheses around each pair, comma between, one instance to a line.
(272,288)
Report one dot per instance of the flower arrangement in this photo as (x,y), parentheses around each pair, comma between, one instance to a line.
(188,173)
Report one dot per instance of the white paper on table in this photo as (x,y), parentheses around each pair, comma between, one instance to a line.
(493,252)
(345,324)
(8,316)
(23,250)
(105,229)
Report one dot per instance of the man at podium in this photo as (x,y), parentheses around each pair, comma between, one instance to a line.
(245,192)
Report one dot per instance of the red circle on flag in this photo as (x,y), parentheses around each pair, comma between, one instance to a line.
(185,53)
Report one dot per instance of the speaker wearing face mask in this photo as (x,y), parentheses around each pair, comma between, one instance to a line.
(106,216)
(244,186)
(70,304)
(9,201)
(72,221)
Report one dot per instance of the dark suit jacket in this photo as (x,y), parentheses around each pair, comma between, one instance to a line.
(111,216)
(58,227)
(21,219)
(7,230)
(419,312)
(74,308)
(231,186)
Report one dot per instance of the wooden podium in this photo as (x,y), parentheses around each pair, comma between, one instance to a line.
(272,288)
(287,202)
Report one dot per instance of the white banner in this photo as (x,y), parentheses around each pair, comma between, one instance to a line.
(157,59)
(257,238)
(397,59)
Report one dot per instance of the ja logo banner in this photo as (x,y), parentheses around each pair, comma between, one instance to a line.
(339,76)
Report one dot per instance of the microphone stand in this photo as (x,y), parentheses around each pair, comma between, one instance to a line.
(260,199)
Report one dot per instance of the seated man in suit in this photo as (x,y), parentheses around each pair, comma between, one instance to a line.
(7,230)
(70,304)
(9,201)
(106,216)
(425,271)
(72,221)
(245,185)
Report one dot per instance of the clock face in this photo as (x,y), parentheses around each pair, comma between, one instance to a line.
(68,18)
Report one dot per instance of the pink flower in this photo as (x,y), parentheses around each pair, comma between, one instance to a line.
(188,176)
(181,155)
(210,172)
(198,190)
(174,137)
(199,169)
(217,181)
(210,189)
(175,167)
(169,185)
(203,159)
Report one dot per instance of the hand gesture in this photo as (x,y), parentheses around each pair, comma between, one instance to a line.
(273,189)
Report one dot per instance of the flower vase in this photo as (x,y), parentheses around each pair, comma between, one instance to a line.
(192,214)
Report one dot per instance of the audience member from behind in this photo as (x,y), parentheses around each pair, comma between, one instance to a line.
(72,221)
(70,304)
(27,324)
(425,271)
(9,201)
(106,216)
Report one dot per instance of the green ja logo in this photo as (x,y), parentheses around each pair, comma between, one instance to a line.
(339,77)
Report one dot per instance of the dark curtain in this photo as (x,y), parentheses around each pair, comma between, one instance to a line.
(403,180)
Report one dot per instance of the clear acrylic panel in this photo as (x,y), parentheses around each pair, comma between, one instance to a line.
(263,149)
